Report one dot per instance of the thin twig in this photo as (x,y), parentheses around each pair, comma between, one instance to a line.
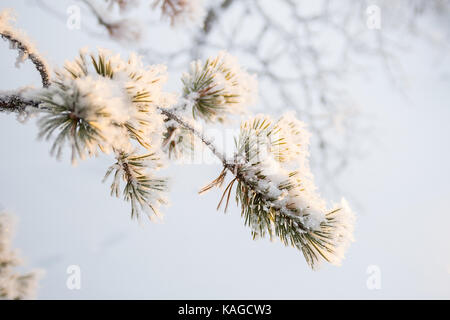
(15,103)
(179,119)
(40,65)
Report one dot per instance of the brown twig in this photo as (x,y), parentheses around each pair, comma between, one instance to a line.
(40,65)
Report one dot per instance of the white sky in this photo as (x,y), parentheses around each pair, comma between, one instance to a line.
(400,189)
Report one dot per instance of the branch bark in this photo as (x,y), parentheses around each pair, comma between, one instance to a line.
(15,103)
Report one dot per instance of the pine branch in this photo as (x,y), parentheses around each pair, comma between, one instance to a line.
(285,207)
(231,166)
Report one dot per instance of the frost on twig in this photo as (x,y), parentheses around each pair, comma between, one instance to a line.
(178,142)
(19,40)
(13,286)
(17,101)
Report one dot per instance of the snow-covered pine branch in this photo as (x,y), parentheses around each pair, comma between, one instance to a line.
(277,192)
(218,87)
(19,40)
(13,286)
(102,103)
(142,190)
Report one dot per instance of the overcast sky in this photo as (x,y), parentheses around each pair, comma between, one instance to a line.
(400,188)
